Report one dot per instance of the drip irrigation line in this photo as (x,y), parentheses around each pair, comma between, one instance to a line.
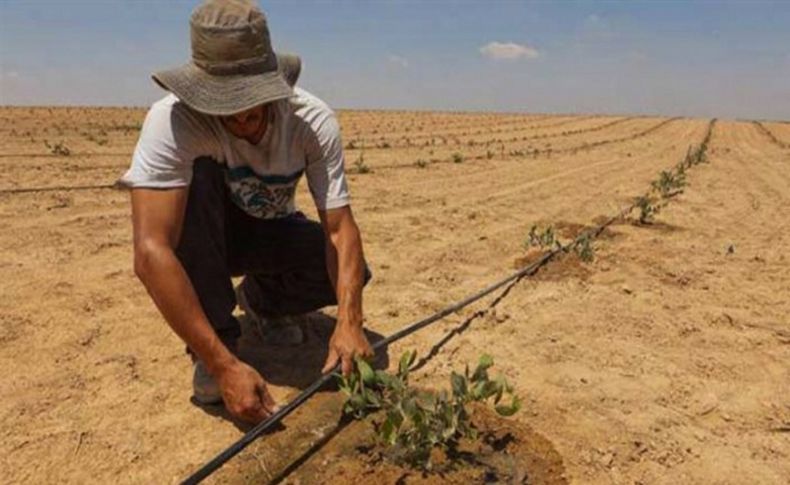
(765,131)
(57,189)
(215,463)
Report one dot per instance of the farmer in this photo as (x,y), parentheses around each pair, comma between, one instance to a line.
(212,185)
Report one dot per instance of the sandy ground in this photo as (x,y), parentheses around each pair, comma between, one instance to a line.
(663,361)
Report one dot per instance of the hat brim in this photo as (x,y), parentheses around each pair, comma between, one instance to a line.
(222,95)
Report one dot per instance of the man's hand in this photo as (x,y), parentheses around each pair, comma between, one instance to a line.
(347,342)
(245,393)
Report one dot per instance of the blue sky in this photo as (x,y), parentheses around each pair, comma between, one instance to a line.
(726,59)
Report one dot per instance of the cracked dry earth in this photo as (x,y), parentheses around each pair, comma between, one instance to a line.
(665,360)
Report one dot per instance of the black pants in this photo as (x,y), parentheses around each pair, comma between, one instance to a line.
(283,260)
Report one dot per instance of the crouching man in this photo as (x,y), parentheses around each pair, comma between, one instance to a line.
(212,185)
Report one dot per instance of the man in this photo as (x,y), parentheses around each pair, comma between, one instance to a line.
(212,186)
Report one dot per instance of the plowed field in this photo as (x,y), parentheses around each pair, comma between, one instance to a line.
(664,360)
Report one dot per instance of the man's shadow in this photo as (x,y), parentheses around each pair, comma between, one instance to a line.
(295,366)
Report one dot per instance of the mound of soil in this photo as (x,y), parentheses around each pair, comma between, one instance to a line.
(506,452)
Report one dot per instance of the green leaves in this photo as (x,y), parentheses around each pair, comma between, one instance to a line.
(513,408)
(584,248)
(458,383)
(406,360)
(543,239)
(669,183)
(415,420)
(648,208)
(366,372)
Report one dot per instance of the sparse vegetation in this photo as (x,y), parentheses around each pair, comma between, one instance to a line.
(671,182)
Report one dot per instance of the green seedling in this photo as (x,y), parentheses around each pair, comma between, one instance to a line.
(417,421)
(457,158)
(360,165)
(421,163)
(59,149)
(669,183)
(648,209)
(545,239)
(583,247)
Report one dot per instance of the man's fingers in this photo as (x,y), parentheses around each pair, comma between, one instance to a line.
(260,413)
(331,361)
(252,412)
(368,353)
(267,400)
(347,365)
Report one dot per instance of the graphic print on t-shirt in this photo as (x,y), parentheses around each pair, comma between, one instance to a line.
(264,196)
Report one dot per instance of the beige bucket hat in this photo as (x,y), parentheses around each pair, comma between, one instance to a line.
(233,66)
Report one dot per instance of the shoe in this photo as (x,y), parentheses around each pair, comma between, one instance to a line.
(280,331)
(205,389)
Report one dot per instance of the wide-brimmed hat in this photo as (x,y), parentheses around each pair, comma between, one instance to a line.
(233,66)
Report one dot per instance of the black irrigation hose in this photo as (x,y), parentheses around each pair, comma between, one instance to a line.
(303,396)
(56,189)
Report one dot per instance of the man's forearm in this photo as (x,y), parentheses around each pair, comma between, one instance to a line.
(167,283)
(349,271)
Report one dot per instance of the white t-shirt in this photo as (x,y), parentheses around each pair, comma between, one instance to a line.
(303,136)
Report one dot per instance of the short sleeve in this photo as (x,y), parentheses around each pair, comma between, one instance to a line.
(325,170)
(170,140)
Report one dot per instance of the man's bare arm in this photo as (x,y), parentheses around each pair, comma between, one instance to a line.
(157,218)
(346,266)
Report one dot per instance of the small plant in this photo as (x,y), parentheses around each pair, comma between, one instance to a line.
(457,157)
(669,183)
(421,163)
(360,165)
(417,421)
(584,248)
(59,149)
(545,239)
(648,209)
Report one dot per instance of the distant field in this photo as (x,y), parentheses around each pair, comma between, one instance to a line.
(664,360)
